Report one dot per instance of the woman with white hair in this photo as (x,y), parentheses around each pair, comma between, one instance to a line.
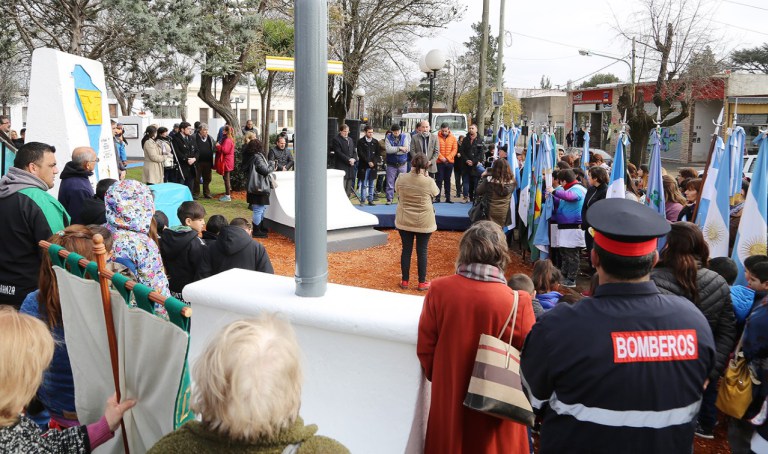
(248,393)
(456,311)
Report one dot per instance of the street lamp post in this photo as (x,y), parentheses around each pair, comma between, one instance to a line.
(631,65)
(431,64)
(525,133)
(359,93)
(237,100)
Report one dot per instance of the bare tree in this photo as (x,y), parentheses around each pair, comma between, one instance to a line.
(671,34)
(361,31)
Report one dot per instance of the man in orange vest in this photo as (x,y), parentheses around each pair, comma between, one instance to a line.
(448,149)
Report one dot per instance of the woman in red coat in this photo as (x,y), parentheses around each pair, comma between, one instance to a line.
(457,310)
(225,160)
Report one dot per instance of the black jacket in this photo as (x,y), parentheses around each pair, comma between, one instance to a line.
(594,194)
(282,158)
(185,257)
(714,303)
(234,248)
(471,150)
(368,152)
(205,148)
(74,189)
(344,150)
(93,211)
(185,148)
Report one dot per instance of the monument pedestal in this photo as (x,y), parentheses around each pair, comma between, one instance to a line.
(349,229)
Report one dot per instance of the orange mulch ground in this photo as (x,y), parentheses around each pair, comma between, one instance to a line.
(379,267)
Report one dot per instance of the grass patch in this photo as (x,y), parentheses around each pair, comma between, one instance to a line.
(230,210)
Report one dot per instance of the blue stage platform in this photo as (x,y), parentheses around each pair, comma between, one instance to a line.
(449,216)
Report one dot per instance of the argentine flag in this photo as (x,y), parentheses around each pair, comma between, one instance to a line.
(616,185)
(752,235)
(655,190)
(525,186)
(714,209)
(736,144)
(585,153)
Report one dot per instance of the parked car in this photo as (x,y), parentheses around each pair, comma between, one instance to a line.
(749,166)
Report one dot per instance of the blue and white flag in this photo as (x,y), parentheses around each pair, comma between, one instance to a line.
(585,153)
(512,134)
(714,220)
(501,136)
(708,186)
(525,185)
(752,235)
(736,145)
(544,169)
(655,191)
(616,185)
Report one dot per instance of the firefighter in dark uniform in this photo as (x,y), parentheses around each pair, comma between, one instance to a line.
(622,371)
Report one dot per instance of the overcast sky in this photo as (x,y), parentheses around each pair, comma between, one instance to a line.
(547,34)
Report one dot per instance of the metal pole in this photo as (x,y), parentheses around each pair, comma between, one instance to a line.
(482,77)
(311,235)
(431,90)
(499,67)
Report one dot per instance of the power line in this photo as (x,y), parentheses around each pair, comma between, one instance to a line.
(739,27)
(744,4)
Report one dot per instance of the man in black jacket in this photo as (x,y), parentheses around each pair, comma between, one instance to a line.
(205,149)
(471,152)
(186,151)
(234,248)
(345,157)
(369,152)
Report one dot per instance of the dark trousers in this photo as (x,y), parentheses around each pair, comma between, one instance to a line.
(457,180)
(173,176)
(190,176)
(470,181)
(569,258)
(444,171)
(590,242)
(204,170)
(708,411)
(422,241)
(227,184)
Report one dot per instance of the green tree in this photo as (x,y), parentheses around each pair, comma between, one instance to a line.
(752,60)
(599,78)
(545,82)
(276,39)
(510,111)
(116,32)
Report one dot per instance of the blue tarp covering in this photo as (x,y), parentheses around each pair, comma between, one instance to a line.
(168,197)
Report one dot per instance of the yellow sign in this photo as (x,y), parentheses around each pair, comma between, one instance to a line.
(91,102)
(286,64)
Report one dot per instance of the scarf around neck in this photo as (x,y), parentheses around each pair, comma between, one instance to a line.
(481,272)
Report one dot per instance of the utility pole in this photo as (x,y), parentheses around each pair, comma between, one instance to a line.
(499,67)
(482,78)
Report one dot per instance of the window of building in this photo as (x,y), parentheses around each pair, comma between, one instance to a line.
(280,118)
(290,118)
(271,116)
(255,116)
(203,115)
(243,116)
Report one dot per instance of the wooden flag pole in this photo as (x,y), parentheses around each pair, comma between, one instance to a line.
(106,300)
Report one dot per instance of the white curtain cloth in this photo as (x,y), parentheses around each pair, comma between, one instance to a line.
(151,355)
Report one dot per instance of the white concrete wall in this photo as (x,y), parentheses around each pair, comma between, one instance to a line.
(740,84)
(53,116)
(361,372)
(705,112)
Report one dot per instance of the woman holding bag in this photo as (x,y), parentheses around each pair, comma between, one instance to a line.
(225,161)
(456,311)
(257,168)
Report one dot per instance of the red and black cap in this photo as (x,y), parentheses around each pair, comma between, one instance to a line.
(624,227)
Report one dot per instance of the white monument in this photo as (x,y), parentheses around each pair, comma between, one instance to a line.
(68,109)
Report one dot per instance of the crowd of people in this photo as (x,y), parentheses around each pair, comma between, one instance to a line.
(662,321)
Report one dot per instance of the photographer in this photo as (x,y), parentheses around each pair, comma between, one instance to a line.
(472,153)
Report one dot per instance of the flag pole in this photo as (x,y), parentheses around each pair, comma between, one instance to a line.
(100,252)
(718,124)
